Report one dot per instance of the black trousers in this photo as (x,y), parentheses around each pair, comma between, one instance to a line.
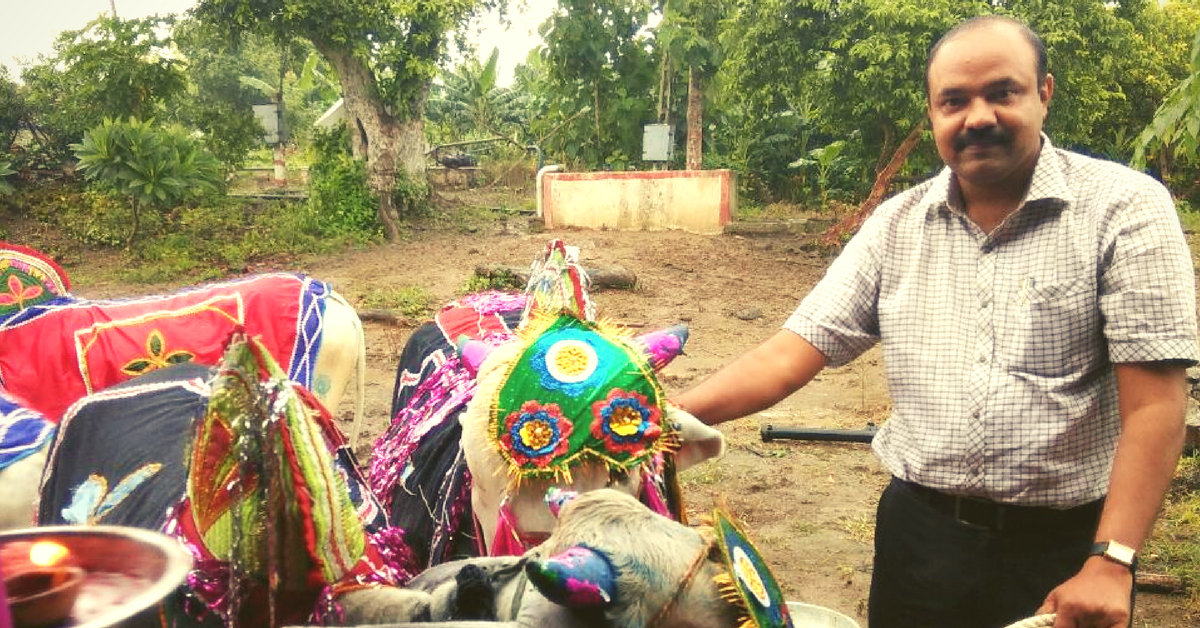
(947,563)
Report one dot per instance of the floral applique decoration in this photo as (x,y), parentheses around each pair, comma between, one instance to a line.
(157,356)
(577,389)
(626,421)
(91,500)
(536,434)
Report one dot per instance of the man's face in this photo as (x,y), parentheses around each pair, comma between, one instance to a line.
(987,107)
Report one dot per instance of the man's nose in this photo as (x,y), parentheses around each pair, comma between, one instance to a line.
(980,114)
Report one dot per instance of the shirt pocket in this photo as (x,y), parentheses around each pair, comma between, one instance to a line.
(1052,330)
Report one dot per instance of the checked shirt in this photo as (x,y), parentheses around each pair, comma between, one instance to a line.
(999,347)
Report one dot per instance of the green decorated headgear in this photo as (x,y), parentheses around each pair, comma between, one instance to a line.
(578,389)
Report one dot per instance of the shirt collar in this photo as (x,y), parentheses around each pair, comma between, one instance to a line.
(1049,184)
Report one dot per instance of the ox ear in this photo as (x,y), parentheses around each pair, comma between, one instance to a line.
(663,345)
(698,442)
(579,577)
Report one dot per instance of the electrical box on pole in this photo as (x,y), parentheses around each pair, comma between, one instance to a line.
(270,116)
(658,142)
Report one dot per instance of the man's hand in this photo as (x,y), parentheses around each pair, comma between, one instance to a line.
(1096,597)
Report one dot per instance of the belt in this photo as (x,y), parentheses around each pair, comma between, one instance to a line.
(997,517)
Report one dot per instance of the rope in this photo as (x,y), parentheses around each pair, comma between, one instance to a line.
(1039,621)
(683,584)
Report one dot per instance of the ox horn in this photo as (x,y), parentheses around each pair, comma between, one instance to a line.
(663,345)
(578,577)
(556,498)
(473,352)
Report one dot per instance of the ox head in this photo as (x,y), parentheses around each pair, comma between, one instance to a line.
(610,563)
(611,554)
(571,402)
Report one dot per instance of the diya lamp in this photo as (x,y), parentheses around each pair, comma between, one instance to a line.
(89,576)
(40,586)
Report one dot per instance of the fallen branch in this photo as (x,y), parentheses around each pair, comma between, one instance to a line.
(388,316)
(848,225)
(615,278)
(1159,583)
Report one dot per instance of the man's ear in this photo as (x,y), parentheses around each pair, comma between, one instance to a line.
(1046,90)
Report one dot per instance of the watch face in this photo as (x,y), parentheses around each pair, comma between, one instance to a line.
(1120,553)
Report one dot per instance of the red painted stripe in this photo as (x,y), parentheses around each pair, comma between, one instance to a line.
(651,174)
(726,212)
(547,208)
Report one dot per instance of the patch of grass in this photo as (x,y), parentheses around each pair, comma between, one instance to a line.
(771,211)
(501,280)
(195,242)
(706,474)
(803,528)
(860,528)
(1174,545)
(408,300)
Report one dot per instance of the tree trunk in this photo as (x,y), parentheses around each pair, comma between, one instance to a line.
(596,111)
(387,143)
(615,277)
(849,224)
(889,138)
(695,121)
(663,78)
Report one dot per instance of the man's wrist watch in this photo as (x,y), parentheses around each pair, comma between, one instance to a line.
(1116,552)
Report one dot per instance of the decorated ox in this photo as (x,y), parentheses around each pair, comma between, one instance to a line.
(248,472)
(251,476)
(504,396)
(609,562)
(24,437)
(56,348)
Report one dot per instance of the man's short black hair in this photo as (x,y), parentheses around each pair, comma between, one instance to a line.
(1035,42)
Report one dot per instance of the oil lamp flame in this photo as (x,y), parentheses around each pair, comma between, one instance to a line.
(47,553)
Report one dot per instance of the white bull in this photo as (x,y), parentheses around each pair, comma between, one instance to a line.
(609,563)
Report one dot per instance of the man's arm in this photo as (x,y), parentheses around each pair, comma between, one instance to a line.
(1153,400)
(755,381)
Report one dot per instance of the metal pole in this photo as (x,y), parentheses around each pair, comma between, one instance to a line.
(770,433)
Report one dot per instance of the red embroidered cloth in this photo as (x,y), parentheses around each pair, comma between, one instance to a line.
(68,351)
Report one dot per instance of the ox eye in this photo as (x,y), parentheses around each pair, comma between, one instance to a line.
(571,361)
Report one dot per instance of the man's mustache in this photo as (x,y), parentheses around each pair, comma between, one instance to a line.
(984,137)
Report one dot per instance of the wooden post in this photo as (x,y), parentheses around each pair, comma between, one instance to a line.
(695,121)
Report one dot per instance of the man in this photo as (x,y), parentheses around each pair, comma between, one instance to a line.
(1037,311)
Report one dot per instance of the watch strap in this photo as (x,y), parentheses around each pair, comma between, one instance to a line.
(1116,552)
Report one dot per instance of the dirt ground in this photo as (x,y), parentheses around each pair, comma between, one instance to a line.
(808,505)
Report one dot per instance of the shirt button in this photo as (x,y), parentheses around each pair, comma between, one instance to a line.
(982,358)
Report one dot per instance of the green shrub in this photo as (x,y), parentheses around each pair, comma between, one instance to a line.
(340,199)
(6,169)
(98,217)
(500,280)
(410,198)
(338,196)
(150,166)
